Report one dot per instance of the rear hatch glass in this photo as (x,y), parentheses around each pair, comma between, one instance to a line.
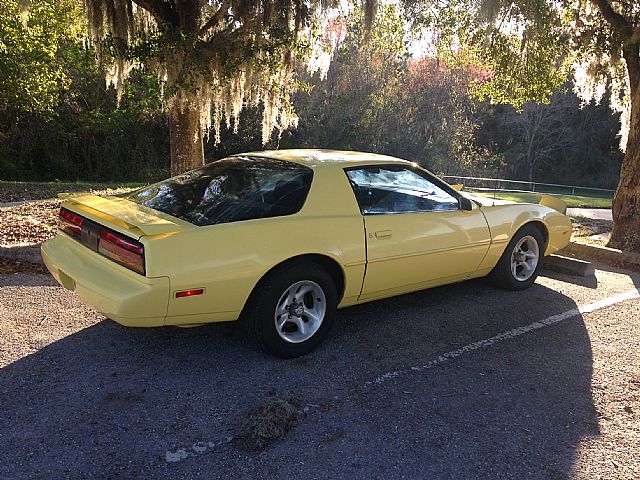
(230,190)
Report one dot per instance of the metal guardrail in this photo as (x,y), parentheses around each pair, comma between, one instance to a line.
(490,184)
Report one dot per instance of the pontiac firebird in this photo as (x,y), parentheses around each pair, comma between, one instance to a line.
(282,239)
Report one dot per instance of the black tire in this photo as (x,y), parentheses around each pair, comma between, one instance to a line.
(502,275)
(259,313)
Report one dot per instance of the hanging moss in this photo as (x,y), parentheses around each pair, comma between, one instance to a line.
(216,57)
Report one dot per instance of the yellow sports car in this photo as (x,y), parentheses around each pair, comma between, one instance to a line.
(281,239)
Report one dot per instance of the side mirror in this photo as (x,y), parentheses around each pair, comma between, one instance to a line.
(465,204)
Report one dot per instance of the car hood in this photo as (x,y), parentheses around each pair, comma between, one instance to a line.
(486,201)
(545,200)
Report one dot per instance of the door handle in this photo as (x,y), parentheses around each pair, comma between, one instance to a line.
(383,234)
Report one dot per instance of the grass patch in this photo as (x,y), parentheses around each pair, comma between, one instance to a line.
(570,200)
(20,191)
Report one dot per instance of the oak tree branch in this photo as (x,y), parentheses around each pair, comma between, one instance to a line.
(161,10)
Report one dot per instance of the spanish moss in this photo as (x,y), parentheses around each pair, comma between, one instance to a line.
(216,57)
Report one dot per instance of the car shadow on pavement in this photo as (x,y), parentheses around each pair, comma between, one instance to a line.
(633,275)
(589,281)
(110,401)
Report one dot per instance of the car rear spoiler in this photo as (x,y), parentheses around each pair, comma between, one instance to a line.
(122,212)
(553,202)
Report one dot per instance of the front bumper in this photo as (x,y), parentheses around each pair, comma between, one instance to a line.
(122,295)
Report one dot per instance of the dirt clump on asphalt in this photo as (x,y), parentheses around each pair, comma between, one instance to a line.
(267,422)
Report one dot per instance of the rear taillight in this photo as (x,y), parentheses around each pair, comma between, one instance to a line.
(121,249)
(70,223)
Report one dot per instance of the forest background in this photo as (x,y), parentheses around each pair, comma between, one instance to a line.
(385,91)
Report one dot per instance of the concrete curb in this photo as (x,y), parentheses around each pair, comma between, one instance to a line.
(27,253)
(13,204)
(22,202)
(597,253)
(572,266)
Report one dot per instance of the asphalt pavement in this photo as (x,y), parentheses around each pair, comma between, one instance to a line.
(459,382)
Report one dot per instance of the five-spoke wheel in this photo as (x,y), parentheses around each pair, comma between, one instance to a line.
(292,309)
(300,311)
(524,258)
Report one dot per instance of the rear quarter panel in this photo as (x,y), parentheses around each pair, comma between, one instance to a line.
(505,220)
(228,260)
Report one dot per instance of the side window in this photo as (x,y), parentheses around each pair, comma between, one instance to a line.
(391,189)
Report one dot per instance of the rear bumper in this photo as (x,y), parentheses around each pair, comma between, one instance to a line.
(122,295)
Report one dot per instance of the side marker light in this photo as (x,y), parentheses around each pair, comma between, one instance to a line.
(189,293)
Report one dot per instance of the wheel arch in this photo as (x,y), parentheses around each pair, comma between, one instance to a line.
(501,274)
(539,224)
(326,262)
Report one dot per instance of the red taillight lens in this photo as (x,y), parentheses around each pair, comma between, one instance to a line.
(123,250)
(70,223)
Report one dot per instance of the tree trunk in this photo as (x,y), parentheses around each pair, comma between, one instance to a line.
(187,149)
(626,203)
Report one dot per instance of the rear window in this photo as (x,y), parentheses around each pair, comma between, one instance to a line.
(230,190)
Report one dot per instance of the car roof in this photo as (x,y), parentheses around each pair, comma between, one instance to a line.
(317,158)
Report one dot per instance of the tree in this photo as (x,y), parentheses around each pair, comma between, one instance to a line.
(343,109)
(541,130)
(558,142)
(532,46)
(212,57)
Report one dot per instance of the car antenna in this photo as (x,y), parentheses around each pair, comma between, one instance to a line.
(495,191)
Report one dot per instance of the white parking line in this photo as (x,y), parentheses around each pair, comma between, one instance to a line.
(516,332)
(195,449)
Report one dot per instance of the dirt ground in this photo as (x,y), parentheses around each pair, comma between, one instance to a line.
(35,221)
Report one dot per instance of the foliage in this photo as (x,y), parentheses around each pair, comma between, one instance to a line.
(373,97)
(604,46)
(376,98)
(85,135)
(32,35)
(558,142)
(532,46)
(101,146)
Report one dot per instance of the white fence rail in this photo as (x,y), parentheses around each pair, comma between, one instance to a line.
(503,185)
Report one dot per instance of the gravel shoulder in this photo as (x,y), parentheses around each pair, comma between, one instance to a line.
(84,397)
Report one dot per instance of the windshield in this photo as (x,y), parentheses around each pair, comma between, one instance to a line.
(230,190)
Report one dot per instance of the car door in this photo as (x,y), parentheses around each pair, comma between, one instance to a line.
(417,235)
